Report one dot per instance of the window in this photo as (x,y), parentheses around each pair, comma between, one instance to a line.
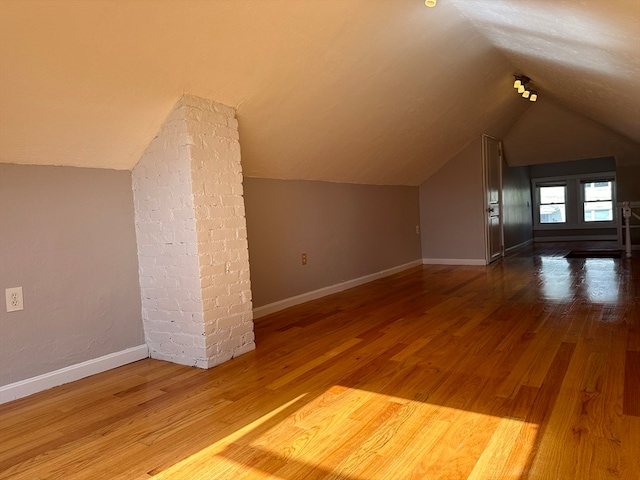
(553,203)
(598,204)
(573,202)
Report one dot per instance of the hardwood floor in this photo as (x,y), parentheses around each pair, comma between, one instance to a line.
(528,368)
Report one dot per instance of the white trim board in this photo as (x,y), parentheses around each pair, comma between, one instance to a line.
(454,261)
(23,388)
(270,308)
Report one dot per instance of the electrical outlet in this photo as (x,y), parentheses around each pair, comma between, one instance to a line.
(304,259)
(14,299)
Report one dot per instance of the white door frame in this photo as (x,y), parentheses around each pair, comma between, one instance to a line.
(485,185)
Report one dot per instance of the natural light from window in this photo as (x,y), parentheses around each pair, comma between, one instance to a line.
(598,204)
(557,283)
(553,204)
(601,280)
(307,426)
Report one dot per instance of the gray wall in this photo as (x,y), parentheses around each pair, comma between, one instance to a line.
(346,230)
(451,208)
(628,180)
(67,237)
(548,133)
(517,200)
(577,167)
(628,183)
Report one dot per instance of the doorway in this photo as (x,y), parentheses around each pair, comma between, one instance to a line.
(492,180)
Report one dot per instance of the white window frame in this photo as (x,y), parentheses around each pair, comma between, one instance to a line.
(574,201)
(539,204)
(583,200)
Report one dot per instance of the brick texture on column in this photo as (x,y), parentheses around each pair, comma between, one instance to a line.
(192,240)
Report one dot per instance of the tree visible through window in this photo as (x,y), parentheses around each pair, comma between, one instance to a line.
(598,204)
(553,204)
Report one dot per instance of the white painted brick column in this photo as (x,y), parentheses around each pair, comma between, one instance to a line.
(192,240)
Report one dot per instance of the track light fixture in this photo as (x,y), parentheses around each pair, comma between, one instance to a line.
(520,83)
(519,80)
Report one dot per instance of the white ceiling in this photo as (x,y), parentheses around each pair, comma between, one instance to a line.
(582,54)
(362,91)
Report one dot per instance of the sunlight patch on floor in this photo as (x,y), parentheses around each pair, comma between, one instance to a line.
(381,435)
(211,459)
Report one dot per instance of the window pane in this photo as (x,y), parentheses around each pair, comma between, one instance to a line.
(598,211)
(595,191)
(552,194)
(552,214)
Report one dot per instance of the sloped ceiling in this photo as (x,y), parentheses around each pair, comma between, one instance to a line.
(550,134)
(584,55)
(361,91)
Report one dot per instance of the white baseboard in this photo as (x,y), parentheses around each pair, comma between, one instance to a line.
(520,245)
(454,261)
(323,292)
(72,373)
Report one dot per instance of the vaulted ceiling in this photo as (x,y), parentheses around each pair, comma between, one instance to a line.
(361,91)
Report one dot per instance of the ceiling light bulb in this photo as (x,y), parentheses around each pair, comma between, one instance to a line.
(533,97)
(526,94)
(517,83)
(521,89)
(430,3)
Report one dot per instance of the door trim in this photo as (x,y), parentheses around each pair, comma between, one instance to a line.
(485,203)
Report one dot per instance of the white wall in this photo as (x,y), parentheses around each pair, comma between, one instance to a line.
(192,245)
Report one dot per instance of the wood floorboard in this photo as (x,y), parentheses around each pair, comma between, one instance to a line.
(631,384)
(525,369)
